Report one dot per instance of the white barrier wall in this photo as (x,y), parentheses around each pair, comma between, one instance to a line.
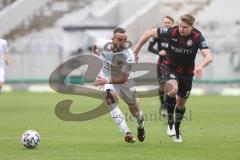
(13,15)
(32,65)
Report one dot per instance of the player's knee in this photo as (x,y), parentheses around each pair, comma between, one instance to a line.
(173,92)
(111,97)
(181,104)
(134,109)
(171,88)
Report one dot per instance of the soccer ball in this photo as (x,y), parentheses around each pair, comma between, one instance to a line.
(30,139)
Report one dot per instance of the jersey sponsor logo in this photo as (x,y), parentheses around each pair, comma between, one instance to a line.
(164,45)
(181,50)
(163,30)
(115,64)
(189,43)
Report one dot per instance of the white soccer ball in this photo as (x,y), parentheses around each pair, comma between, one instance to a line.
(30,139)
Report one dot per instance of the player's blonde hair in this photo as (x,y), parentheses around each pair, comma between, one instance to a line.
(188,18)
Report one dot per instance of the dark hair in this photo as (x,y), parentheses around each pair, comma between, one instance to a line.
(170,18)
(187,18)
(119,30)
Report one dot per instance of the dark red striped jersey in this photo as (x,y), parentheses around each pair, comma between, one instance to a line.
(182,50)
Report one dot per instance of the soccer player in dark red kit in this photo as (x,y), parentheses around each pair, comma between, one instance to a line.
(184,43)
(162,47)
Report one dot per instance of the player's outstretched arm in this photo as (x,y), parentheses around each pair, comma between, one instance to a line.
(151,45)
(144,38)
(118,79)
(206,61)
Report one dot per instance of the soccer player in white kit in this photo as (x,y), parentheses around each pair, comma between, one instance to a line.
(116,79)
(3,60)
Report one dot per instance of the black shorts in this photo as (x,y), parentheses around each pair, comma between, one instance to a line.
(184,82)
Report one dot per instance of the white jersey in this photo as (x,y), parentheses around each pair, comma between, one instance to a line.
(114,63)
(3,49)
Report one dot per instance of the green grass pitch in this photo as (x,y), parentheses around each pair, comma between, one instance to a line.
(211,130)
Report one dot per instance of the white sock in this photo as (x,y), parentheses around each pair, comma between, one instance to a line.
(119,119)
(140,120)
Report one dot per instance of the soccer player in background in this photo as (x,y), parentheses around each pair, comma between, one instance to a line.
(162,47)
(4,60)
(115,77)
(184,43)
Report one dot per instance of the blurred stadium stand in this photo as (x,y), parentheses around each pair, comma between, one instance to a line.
(56,30)
(5,3)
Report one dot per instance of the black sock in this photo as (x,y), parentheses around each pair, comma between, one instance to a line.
(170,103)
(161,96)
(179,113)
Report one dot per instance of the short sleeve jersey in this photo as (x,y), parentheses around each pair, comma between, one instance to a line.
(114,63)
(182,49)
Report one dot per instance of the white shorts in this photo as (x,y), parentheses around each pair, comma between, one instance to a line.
(2,74)
(127,91)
